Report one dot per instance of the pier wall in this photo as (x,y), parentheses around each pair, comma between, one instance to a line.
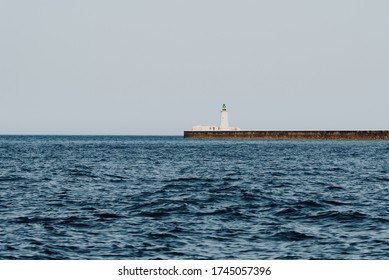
(292,135)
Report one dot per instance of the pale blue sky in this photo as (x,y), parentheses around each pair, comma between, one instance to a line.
(159,67)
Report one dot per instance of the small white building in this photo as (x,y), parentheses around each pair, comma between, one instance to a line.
(224,125)
(204,128)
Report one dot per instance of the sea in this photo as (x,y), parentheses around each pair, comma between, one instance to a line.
(154,197)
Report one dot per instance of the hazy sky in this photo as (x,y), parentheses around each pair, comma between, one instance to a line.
(159,67)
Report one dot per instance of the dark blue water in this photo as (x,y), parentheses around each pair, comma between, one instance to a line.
(174,198)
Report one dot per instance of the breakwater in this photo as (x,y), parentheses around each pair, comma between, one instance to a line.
(293,135)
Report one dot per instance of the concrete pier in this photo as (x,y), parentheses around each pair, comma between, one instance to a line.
(292,135)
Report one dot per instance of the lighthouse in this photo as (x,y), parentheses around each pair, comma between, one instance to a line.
(224,118)
(224,125)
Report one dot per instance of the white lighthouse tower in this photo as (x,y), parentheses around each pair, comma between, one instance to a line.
(224,125)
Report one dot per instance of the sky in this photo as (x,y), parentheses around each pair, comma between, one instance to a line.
(153,67)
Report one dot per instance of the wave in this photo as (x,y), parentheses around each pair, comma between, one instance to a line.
(291,235)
